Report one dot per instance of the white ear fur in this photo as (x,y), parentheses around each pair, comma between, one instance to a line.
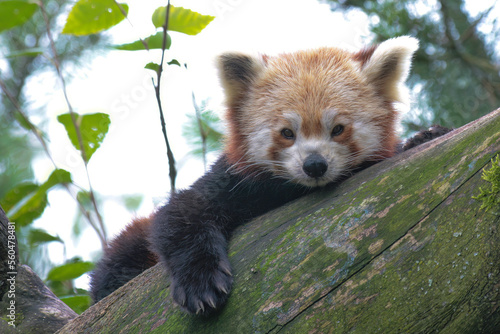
(237,72)
(389,65)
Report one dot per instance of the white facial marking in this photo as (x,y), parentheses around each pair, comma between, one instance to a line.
(259,145)
(370,136)
(335,154)
(294,120)
(289,162)
(328,120)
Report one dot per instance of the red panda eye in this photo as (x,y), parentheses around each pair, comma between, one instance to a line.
(288,134)
(337,130)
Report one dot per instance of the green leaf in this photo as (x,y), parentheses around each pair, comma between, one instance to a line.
(93,129)
(78,303)
(58,176)
(79,225)
(132,202)
(16,194)
(152,66)
(38,236)
(69,271)
(155,67)
(93,16)
(83,197)
(14,13)
(30,210)
(181,20)
(174,62)
(153,42)
(26,53)
(34,206)
(22,121)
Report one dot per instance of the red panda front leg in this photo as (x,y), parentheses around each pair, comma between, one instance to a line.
(196,257)
(190,233)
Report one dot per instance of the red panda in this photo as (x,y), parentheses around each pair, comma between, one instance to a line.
(297,121)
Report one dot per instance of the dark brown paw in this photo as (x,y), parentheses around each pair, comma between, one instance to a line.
(202,291)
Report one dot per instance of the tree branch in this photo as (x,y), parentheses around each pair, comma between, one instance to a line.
(404,240)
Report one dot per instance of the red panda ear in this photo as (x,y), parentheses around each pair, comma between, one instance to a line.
(387,66)
(237,72)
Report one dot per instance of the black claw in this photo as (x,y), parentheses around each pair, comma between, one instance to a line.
(200,308)
(211,302)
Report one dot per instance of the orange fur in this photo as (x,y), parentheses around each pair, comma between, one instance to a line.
(310,92)
(135,234)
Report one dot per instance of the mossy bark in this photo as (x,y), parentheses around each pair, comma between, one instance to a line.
(401,247)
(25,302)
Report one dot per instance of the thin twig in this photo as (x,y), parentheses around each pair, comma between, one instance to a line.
(170,154)
(471,30)
(57,65)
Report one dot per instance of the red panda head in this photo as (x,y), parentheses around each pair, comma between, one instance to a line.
(310,116)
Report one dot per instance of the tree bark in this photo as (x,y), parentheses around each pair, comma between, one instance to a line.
(402,247)
(26,304)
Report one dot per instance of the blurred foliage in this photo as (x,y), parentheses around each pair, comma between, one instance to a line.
(39,38)
(20,59)
(16,153)
(203,131)
(26,202)
(132,202)
(19,44)
(60,280)
(455,75)
(25,53)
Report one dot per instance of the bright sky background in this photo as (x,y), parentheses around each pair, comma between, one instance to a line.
(132,158)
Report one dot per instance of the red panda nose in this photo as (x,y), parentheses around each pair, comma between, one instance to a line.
(315,165)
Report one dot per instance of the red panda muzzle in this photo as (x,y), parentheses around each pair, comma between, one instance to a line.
(315,165)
